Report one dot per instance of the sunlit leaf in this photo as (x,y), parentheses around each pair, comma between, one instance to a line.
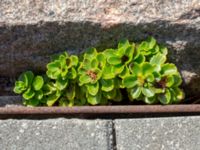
(94,100)
(158,59)
(168,69)
(107,85)
(148,92)
(130,81)
(27,78)
(135,68)
(74,60)
(147,69)
(28,94)
(53,98)
(19,87)
(135,92)
(93,88)
(151,42)
(114,60)
(38,82)
(84,79)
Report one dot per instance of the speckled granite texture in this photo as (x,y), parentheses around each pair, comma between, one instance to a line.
(31,31)
(172,133)
(55,134)
(176,133)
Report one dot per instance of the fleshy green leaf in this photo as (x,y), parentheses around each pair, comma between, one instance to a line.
(19,87)
(144,46)
(94,63)
(38,82)
(123,43)
(107,85)
(27,78)
(90,53)
(165,97)
(94,100)
(150,78)
(64,72)
(179,94)
(84,79)
(115,60)
(177,80)
(61,84)
(148,92)
(53,66)
(163,50)
(158,59)
(117,69)
(32,102)
(135,68)
(130,81)
(150,100)
(62,61)
(110,53)
(151,42)
(63,102)
(110,94)
(72,74)
(108,72)
(140,59)
(70,92)
(124,73)
(38,95)
(170,81)
(74,60)
(147,69)
(93,88)
(102,60)
(118,96)
(168,69)
(28,94)
(135,92)
(48,88)
(53,98)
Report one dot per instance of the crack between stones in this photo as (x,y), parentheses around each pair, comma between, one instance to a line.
(112,141)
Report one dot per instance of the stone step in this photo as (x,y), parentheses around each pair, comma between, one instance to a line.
(175,133)
(55,134)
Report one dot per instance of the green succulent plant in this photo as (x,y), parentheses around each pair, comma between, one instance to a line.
(140,82)
(167,85)
(100,78)
(149,48)
(63,69)
(89,75)
(119,58)
(30,87)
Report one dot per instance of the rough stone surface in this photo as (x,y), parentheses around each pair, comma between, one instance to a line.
(7,101)
(178,133)
(72,134)
(32,30)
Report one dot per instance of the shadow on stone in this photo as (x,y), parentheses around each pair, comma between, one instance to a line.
(29,47)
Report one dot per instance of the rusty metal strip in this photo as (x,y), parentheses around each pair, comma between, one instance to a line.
(100,109)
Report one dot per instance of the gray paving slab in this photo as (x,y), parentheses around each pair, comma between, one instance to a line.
(175,133)
(55,134)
